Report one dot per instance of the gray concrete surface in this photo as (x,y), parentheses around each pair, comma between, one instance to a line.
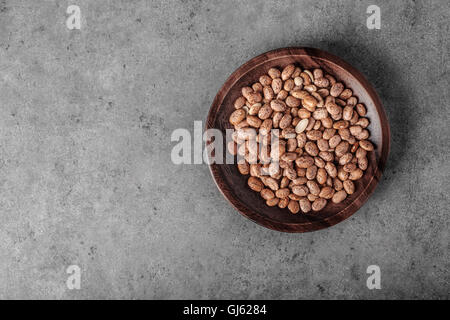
(85,171)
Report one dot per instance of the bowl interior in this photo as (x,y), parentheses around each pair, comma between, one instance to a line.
(234,185)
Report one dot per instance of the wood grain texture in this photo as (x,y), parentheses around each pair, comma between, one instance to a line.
(233,185)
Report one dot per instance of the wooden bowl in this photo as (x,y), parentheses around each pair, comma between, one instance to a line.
(234,186)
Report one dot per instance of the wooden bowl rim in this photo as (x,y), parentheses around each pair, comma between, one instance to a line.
(364,194)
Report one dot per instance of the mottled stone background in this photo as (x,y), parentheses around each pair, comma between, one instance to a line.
(85,170)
